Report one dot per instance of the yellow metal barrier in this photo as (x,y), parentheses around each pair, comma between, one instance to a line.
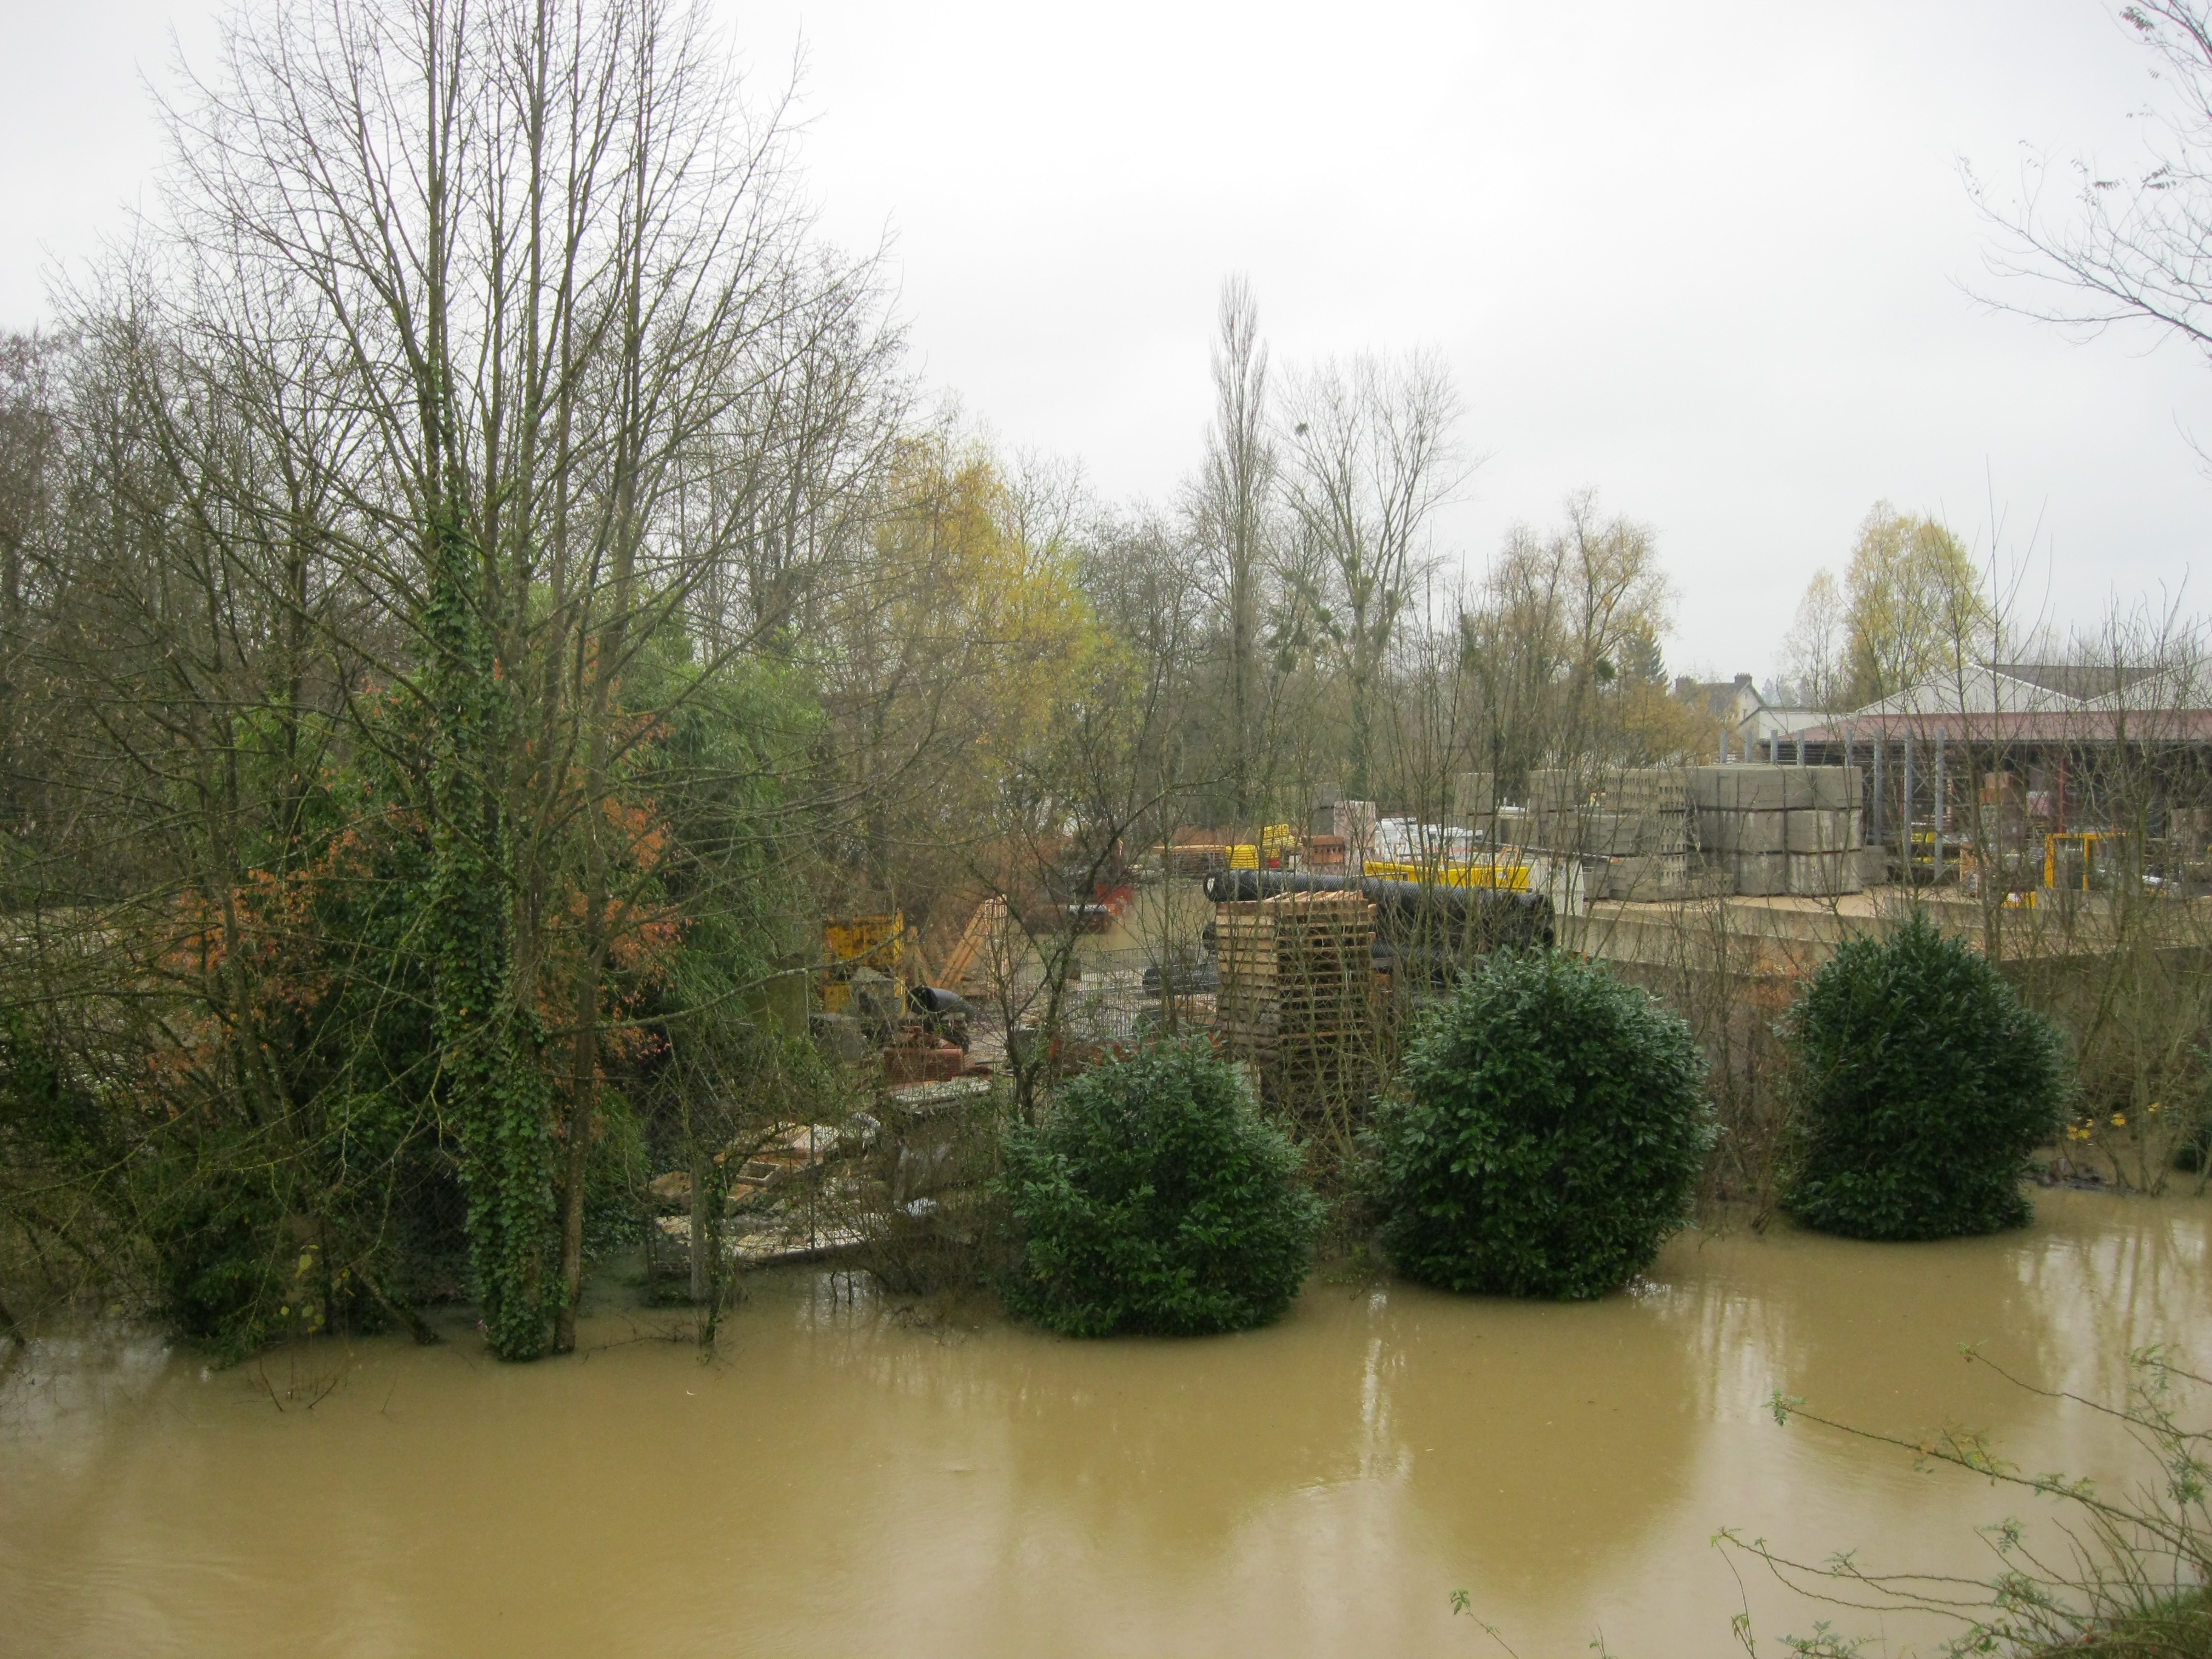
(1506,877)
(2102,852)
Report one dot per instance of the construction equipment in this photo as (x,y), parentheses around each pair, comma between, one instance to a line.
(984,938)
(849,943)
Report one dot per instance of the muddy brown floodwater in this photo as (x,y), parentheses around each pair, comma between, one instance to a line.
(840,1480)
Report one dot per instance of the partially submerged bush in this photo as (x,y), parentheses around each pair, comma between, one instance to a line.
(1549,1128)
(1154,1198)
(1922,1087)
(219,1245)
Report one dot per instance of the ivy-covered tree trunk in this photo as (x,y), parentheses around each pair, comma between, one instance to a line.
(489,1038)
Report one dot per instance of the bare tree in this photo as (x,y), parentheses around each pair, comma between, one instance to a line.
(516,315)
(1373,458)
(1559,616)
(1229,508)
(28,447)
(1813,660)
(2131,245)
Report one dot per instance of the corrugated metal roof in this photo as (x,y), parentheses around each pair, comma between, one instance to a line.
(2043,703)
(1973,690)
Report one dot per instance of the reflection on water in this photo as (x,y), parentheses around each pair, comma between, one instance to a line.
(842,1481)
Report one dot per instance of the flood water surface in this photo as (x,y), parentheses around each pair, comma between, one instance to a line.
(843,1478)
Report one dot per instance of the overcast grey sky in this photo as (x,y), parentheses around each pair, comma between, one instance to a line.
(1705,259)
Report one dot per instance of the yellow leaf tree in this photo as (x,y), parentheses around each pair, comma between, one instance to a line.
(1915,605)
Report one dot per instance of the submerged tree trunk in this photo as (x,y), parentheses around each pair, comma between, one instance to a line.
(702,1232)
(488,1055)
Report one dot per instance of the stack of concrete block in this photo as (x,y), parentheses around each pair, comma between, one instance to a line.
(1828,838)
(1351,822)
(1474,801)
(1611,835)
(1646,876)
(1780,829)
(1557,800)
(1629,831)
(1646,816)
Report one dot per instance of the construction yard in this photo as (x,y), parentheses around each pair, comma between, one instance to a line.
(1302,952)
(1283,945)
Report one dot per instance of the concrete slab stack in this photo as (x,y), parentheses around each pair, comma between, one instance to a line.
(1351,822)
(1648,849)
(1780,829)
(1628,832)
(1558,800)
(1474,800)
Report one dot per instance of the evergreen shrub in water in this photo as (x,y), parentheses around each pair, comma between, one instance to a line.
(1549,1128)
(1152,1198)
(1922,1085)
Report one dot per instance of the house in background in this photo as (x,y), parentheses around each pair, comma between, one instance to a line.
(1741,716)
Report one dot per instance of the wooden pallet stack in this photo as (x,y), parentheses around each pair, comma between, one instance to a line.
(1297,998)
(1325,1011)
(1244,1003)
(1324,951)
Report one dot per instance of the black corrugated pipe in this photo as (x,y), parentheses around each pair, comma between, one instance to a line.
(1480,918)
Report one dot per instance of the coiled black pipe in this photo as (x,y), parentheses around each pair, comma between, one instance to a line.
(1478,919)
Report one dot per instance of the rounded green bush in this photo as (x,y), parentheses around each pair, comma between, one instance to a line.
(1154,1198)
(1921,1087)
(1549,1128)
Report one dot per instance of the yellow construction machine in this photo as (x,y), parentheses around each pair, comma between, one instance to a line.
(853,942)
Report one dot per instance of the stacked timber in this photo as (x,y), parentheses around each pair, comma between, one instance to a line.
(1299,966)
(1321,1076)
